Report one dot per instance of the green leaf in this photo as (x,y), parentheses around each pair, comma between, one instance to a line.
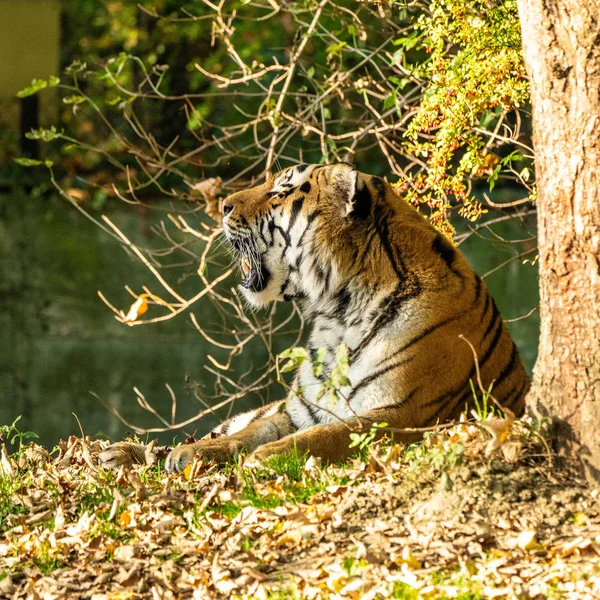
(332,399)
(341,355)
(295,353)
(336,49)
(296,357)
(28,162)
(494,177)
(397,56)
(76,67)
(34,88)
(318,362)
(356,438)
(390,100)
(401,83)
(75,99)
(46,135)
(53,82)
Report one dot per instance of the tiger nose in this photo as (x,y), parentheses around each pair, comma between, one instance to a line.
(227,207)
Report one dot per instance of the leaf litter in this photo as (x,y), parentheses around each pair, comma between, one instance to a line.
(452,517)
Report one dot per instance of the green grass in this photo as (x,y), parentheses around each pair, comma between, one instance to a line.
(403,591)
(8,487)
(296,484)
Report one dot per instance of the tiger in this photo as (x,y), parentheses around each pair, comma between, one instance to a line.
(370,272)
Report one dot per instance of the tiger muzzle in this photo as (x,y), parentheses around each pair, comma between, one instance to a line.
(256,274)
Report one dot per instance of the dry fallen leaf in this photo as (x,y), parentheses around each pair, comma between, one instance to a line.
(527,540)
(499,429)
(407,558)
(209,190)
(78,195)
(6,464)
(137,484)
(32,455)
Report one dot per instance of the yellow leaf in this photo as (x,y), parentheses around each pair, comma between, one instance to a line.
(139,307)
(499,429)
(580,519)
(125,519)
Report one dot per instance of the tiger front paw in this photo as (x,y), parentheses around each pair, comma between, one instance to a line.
(220,450)
(284,447)
(122,454)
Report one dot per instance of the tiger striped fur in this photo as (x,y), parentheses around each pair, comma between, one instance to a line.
(370,272)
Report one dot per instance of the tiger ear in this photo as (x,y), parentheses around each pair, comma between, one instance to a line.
(351,190)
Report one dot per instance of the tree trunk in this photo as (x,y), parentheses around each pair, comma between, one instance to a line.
(561,44)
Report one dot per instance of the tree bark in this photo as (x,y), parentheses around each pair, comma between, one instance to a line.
(561,44)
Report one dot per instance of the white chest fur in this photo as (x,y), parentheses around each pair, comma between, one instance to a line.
(310,406)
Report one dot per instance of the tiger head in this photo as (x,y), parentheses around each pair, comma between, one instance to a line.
(299,234)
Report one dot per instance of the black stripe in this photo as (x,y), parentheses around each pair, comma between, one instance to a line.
(435,326)
(327,277)
(310,410)
(361,203)
(379,185)
(402,402)
(451,394)
(442,246)
(466,398)
(388,311)
(494,319)
(305,187)
(473,372)
(371,378)
(381,227)
(372,233)
(343,299)
(514,359)
(493,344)
(471,375)
(309,221)
(486,306)
(259,414)
(284,233)
(478,286)
(319,273)
(423,334)
(295,211)
(516,394)
(519,395)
